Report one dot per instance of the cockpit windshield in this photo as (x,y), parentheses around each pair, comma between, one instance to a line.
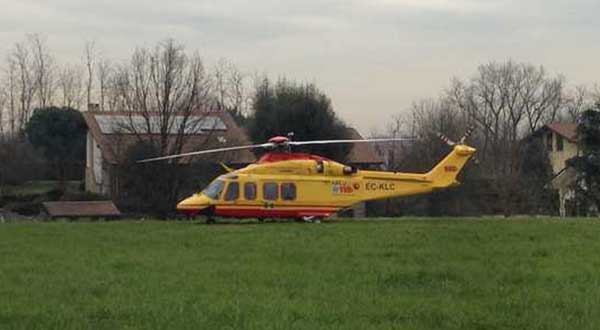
(213,191)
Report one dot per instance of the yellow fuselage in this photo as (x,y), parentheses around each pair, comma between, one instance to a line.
(309,188)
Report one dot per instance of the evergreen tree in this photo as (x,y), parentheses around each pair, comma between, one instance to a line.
(587,163)
(299,108)
(60,134)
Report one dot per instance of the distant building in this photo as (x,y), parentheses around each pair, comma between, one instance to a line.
(363,155)
(560,140)
(108,143)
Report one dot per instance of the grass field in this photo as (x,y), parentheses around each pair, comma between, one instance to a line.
(537,274)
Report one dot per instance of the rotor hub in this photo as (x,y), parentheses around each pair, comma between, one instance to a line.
(279,139)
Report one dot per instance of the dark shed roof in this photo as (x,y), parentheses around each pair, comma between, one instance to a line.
(82,209)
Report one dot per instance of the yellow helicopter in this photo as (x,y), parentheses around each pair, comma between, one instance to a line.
(284,184)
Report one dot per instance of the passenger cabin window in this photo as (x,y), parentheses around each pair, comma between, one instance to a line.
(559,143)
(233,191)
(549,141)
(270,191)
(250,191)
(288,191)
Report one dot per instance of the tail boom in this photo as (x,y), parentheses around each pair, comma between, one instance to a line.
(378,185)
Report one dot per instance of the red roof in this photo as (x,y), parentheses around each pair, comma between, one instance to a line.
(566,130)
(362,153)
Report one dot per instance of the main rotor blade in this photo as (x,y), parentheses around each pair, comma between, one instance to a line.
(301,143)
(209,151)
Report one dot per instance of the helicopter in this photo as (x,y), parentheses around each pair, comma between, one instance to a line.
(284,184)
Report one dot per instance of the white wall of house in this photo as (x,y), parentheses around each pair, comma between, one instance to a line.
(558,153)
(559,156)
(96,178)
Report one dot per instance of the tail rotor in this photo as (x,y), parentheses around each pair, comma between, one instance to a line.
(448,141)
(467,134)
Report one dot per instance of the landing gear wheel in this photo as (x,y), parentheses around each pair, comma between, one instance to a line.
(311,219)
(260,219)
(210,221)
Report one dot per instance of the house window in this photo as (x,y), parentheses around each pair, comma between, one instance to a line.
(250,191)
(233,191)
(288,191)
(270,191)
(549,141)
(559,143)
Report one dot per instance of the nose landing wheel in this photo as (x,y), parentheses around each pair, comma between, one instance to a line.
(210,221)
(310,219)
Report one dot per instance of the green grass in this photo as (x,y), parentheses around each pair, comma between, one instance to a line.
(538,274)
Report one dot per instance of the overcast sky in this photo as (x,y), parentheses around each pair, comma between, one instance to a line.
(374,58)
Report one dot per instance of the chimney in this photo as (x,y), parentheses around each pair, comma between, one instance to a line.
(93,107)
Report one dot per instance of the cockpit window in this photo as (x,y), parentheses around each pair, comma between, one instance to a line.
(213,191)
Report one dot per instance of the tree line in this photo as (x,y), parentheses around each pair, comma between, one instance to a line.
(32,77)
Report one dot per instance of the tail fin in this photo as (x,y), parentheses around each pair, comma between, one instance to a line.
(444,174)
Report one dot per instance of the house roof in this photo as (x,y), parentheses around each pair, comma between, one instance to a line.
(82,209)
(362,153)
(214,129)
(566,130)
(217,129)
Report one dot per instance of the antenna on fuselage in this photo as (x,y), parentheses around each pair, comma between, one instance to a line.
(290,136)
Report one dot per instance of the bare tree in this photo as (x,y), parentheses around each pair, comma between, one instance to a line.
(391,153)
(163,92)
(540,95)
(508,101)
(104,69)
(10,84)
(43,69)
(576,101)
(23,77)
(230,90)
(165,87)
(3,102)
(595,94)
(70,86)
(89,54)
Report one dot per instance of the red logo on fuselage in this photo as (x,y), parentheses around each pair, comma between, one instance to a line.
(450,168)
(341,187)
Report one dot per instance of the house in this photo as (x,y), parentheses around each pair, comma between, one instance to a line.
(560,141)
(108,143)
(363,155)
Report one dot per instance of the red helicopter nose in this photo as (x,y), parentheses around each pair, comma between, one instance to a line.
(279,139)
